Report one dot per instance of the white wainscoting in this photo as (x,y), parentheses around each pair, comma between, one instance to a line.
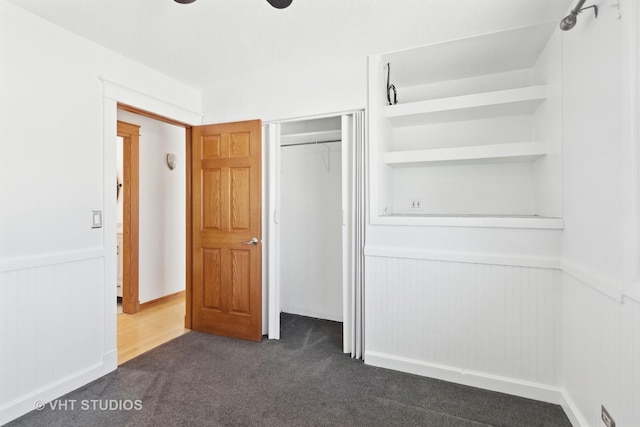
(51,328)
(601,353)
(490,326)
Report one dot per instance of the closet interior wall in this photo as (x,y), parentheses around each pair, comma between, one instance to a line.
(311,218)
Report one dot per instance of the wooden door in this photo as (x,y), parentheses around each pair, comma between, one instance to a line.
(130,134)
(227,229)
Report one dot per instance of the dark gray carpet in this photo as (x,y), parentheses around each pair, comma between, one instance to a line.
(302,380)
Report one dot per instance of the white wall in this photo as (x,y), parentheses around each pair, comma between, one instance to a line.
(323,69)
(600,354)
(601,359)
(52,132)
(57,275)
(593,147)
(456,289)
(162,207)
(311,231)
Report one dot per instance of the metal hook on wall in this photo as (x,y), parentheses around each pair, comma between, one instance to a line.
(391,87)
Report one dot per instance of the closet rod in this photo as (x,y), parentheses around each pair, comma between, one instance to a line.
(309,143)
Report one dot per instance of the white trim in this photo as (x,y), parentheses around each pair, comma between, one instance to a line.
(348,204)
(630,137)
(521,100)
(109,226)
(110,360)
(633,292)
(271,211)
(273,216)
(634,135)
(571,410)
(526,389)
(24,263)
(135,98)
(603,285)
(527,151)
(593,280)
(463,257)
(470,221)
(265,230)
(311,313)
(314,117)
(26,403)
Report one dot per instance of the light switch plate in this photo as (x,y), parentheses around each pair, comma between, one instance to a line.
(96,219)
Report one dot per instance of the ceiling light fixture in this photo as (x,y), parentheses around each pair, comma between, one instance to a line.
(570,20)
(278,4)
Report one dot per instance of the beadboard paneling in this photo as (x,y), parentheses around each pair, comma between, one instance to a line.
(475,320)
(601,353)
(51,319)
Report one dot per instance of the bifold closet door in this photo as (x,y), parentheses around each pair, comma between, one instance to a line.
(350,226)
(353,232)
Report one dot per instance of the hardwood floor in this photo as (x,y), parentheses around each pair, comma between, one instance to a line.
(150,327)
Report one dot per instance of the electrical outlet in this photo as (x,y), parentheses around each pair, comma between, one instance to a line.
(606,418)
(416,205)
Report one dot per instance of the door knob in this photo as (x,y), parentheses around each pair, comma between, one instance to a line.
(253,241)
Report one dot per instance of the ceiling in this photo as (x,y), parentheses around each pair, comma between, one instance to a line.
(212,41)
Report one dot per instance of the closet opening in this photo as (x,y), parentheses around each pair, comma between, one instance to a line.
(311,219)
(316,227)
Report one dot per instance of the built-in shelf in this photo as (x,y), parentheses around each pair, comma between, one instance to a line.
(506,102)
(319,136)
(492,221)
(475,140)
(494,153)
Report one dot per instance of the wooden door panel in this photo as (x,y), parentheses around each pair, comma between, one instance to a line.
(240,145)
(212,279)
(227,211)
(212,146)
(212,199)
(240,196)
(240,279)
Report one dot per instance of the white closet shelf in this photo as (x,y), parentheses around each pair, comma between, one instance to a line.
(319,136)
(506,102)
(488,221)
(494,153)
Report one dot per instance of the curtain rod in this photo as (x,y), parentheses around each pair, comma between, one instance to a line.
(309,143)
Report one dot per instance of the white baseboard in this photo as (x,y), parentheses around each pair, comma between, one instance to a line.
(527,389)
(110,360)
(570,408)
(314,314)
(27,403)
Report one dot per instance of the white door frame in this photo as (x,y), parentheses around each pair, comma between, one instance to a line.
(271,260)
(114,93)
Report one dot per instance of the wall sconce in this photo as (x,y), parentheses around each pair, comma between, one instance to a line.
(172,161)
